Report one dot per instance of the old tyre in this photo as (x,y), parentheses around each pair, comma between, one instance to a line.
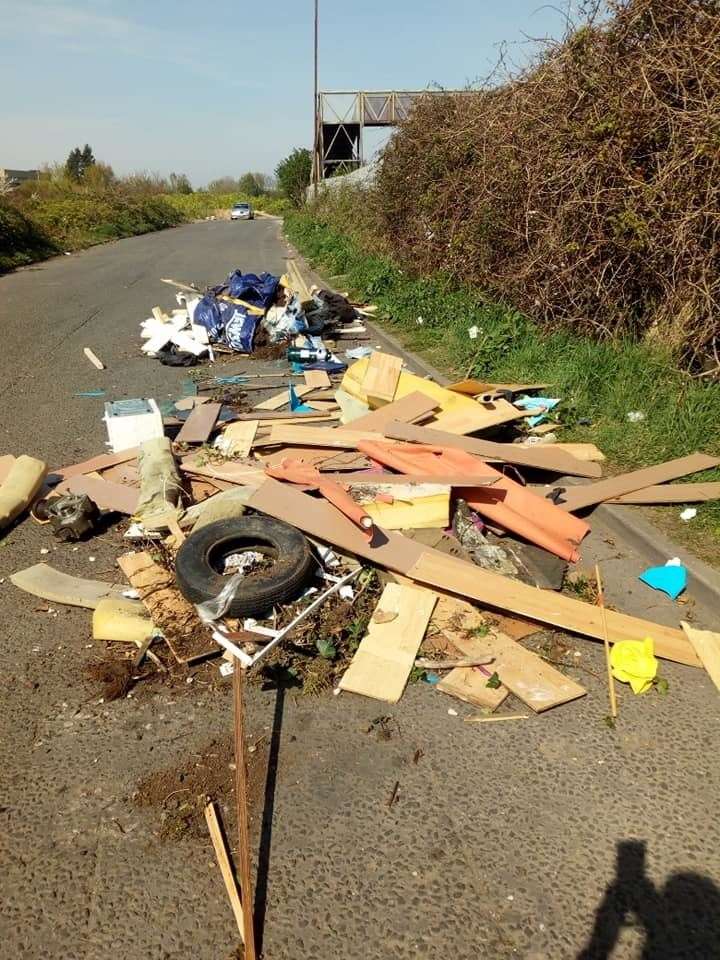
(200,563)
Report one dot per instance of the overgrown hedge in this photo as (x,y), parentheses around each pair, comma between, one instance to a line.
(585,191)
(22,241)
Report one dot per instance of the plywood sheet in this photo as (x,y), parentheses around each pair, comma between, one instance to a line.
(238,437)
(106,494)
(538,684)
(328,437)
(505,452)
(474,388)
(382,375)
(101,462)
(576,498)
(483,416)
(199,425)
(386,655)
(583,451)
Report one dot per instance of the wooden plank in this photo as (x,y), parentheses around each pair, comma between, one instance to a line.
(101,462)
(106,494)
(538,684)
(672,493)
(483,416)
(386,655)
(398,553)
(504,452)
(409,408)
(200,424)
(316,378)
(576,498)
(285,415)
(187,637)
(583,451)
(283,399)
(476,388)
(223,858)
(369,479)
(126,473)
(93,358)
(329,437)
(706,645)
(237,438)
(382,375)
(454,618)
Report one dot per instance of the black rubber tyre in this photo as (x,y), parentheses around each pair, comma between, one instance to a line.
(200,560)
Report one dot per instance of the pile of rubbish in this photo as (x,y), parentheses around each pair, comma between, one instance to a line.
(239,313)
(247,521)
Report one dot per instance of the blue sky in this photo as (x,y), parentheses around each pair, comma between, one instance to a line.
(224,86)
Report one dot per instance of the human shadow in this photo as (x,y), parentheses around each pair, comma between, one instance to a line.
(681,921)
(266,827)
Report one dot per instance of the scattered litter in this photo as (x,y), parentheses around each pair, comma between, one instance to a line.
(635,416)
(670,579)
(358,353)
(532,403)
(93,358)
(452,713)
(689,513)
(90,394)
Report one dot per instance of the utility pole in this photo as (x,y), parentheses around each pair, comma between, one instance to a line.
(316,131)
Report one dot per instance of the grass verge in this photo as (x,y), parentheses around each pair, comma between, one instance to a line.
(600,383)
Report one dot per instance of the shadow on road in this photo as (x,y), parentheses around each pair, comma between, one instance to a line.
(680,922)
(263,870)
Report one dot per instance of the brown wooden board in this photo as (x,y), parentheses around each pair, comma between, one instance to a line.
(370,479)
(100,462)
(504,452)
(475,388)
(328,437)
(576,498)
(481,416)
(707,646)
(408,409)
(672,493)
(398,553)
(106,494)
(316,378)
(200,424)
(283,399)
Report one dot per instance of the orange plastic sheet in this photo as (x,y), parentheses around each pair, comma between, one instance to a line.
(296,471)
(506,503)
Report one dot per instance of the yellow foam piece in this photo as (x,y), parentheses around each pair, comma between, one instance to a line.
(418,513)
(125,621)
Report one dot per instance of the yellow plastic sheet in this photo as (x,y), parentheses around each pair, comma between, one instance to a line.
(633,662)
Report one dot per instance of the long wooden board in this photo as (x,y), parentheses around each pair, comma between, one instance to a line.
(481,416)
(706,645)
(382,375)
(382,663)
(44,581)
(328,437)
(199,425)
(100,462)
(409,408)
(672,493)
(502,452)
(367,479)
(283,399)
(576,498)
(398,553)
(239,437)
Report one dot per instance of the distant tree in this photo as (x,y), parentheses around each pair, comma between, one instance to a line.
(79,162)
(100,176)
(180,183)
(223,185)
(248,184)
(293,175)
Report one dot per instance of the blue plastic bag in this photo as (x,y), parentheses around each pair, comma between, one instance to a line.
(258,291)
(240,330)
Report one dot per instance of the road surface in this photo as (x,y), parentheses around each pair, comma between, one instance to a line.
(520,839)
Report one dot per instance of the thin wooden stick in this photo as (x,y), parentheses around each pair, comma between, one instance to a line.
(512,716)
(426,664)
(606,643)
(242,814)
(223,858)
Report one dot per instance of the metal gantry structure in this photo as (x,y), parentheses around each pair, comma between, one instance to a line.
(342,115)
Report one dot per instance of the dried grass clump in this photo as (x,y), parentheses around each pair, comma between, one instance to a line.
(585,190)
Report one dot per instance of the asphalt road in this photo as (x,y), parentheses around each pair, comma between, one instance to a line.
(523,839)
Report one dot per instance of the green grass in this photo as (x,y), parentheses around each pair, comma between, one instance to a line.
(597,381)
(21,240)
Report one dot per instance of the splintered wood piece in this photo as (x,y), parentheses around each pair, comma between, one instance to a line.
(381,376)
(606,643)
(199,425)
(386,655)
(186,636)
(283,399)
(707,646)
(238,437)
(93,358)
(223,858)
(408,409)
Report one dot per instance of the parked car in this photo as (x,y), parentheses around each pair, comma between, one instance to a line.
(242,211)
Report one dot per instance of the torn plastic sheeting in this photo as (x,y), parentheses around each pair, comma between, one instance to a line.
(160,486)
(296,404)
(506,503)
(670,579)
(531,403)
(633,662)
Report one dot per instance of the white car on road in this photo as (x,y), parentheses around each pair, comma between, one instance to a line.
(242,211)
